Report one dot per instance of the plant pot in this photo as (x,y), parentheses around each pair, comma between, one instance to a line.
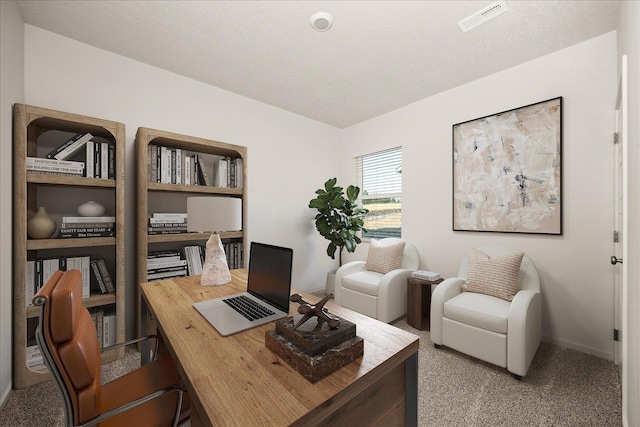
(330,286)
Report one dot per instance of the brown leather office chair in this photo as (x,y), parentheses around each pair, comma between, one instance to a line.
(148,396)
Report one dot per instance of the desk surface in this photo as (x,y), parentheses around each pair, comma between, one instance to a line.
(236,380)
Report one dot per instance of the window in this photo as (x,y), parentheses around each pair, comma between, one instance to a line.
(379,176)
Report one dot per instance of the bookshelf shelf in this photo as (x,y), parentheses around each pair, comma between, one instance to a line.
(36,132)
(171,197)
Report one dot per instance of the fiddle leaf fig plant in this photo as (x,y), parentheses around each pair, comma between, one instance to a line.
(339,218)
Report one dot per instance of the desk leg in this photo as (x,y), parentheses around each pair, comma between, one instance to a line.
(411,390)
(144,346)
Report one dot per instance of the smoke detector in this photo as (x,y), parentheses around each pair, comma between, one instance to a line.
(482,16)
(321,21)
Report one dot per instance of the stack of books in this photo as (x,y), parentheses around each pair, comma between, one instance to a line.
(194,255)
(105,321)
(33,357)
(168,223)
(54,167)
(165,264)
(88,226)
(101,279)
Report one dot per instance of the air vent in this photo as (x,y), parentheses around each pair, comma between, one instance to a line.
(489,12)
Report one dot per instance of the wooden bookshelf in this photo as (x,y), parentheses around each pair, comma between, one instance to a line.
(149,193)
(35,129)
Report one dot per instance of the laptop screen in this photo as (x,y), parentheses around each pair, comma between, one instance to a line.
(270,274)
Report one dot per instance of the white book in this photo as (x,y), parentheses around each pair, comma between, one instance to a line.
(169,215)
(90,160)
(165,274)
(166,264)
(178,220)
(55,168)
(30,285)
(220,174)
(186,171)
(53,162)
(71,149)
(104,160)
(178,166)
(85,271)
(238,171)
(88,219)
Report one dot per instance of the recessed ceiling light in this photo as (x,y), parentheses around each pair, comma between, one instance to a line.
(321,21)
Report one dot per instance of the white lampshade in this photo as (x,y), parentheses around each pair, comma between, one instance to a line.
(214,213)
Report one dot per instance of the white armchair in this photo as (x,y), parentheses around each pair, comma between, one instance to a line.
(382,296)
(501,332)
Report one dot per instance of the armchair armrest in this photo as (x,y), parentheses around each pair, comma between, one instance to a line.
(524,330)
(345,270)
(446,290)
(392,295)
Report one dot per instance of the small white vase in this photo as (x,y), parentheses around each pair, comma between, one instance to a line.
(90,208)
(41,225)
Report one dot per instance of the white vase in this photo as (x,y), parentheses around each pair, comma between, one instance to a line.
(90,208)
(41,225)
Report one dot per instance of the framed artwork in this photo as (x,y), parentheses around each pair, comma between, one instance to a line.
(507,171)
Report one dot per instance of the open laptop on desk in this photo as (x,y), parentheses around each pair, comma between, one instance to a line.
(267,296)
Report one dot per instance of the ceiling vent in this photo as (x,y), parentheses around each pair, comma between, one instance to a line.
(480,17)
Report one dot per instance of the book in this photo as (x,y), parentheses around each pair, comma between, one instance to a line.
(111,161)
(202,170)
(109,328)
(53,168)
(221,173)
(64,225)
(106,277)
(168,274)
(165,264)
(85,271)
(74,233)
(152,163)
(167,215)
(53,162)
(186,170)
(90,160)
(168,254)
(104,160)
(97,159)
(100,219)
(97,278)
(30,282)
(72,145)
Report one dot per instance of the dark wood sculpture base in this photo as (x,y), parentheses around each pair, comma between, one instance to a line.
(314,353)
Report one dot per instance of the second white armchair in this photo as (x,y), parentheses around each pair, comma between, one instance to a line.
(378,287)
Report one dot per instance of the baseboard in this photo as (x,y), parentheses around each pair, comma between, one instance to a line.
(579,347)
(5,395)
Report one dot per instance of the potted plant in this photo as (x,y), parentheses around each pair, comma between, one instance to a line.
(339,218)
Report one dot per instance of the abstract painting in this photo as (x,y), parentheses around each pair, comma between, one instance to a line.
(507,171)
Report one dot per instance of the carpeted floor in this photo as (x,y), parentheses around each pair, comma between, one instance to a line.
(563,388)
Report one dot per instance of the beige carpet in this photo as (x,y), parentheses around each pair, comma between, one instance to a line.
(563,388)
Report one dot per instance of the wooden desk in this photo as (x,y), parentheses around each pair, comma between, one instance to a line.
(236,380)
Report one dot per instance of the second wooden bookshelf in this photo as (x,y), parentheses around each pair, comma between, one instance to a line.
(163,184)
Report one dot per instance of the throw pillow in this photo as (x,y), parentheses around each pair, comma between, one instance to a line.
(496,276)
(383,258)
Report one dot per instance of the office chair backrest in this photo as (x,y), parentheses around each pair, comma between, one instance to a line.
(68,339)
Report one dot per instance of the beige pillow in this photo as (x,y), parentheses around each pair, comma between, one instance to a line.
(496,276)
(383,258)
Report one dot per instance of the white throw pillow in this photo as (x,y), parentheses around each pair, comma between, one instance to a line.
(383,258)
(496,276)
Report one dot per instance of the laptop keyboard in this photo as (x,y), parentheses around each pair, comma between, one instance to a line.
(248,307)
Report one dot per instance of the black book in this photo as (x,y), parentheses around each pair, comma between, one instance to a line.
(97,277)
(106,277)
(112,161)
(68,148)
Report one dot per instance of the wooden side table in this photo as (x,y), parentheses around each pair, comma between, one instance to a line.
(419,302)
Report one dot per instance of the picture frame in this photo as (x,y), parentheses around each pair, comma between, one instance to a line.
(507,171)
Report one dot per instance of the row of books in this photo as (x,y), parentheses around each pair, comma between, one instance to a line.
(95,274)
(167,223)
(33,356)
(176,166)
(98,161)
(188,261)
(87,226)
(105,320)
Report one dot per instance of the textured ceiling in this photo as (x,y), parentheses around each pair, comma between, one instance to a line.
(377,57)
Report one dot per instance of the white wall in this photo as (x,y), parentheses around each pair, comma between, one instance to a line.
(12,89)
(577,278)
(289,156)
(629,44)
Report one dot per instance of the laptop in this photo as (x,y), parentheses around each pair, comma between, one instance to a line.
(266,298)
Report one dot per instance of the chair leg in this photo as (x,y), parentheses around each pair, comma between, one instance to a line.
(517,377)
